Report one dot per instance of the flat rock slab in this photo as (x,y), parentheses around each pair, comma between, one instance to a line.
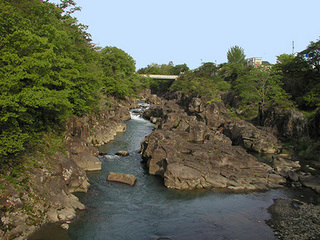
(87,162)
(122,178)
(122,153)
(311,182)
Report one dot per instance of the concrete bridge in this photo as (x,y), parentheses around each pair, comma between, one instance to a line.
(162,77)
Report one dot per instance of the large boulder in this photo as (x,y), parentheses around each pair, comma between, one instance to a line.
(311,182)
(122,178)
(287,124)
(154,99)
(195,106)
(122,153)
(190,149)
(283,165)
(215,163)
(83,154)
(250,137)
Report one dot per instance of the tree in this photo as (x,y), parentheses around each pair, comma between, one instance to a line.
(230,72)
(236,55)
(178,69)
(201,82)
(207,70)
(261,87)
(154,68)
(115,62)
(120,79)
(48,71)
(301,77)
(312,55)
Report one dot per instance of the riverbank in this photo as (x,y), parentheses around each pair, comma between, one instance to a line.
(295,220)
(182,125)
(149,210)
(41,191)
(56,203)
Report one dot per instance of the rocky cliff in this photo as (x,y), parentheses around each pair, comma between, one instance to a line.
(197,145)
(286,124)
(43,194)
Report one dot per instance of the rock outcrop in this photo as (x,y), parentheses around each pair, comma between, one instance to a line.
(286,124)
(44,196)
(122,178)
(89,131)
(312,182)
(252,138)
(44,193)
(193,146)
(215,163)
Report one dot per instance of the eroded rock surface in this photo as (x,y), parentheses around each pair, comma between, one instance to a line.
(287,124)
(193,146)
(44,193)
(122,178)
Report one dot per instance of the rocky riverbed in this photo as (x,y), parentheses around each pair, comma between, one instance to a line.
(198,145)
(195,145)
(295,220)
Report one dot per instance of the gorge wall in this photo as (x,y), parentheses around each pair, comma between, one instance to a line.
(44,193)
(200,145)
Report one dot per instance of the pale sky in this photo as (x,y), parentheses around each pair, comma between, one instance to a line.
(191,31)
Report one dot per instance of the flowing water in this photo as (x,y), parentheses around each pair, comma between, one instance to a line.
(148,210)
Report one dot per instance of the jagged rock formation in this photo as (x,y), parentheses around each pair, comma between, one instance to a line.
(94,130)
(285,123)
(191,148)
(250,137)
(44,194)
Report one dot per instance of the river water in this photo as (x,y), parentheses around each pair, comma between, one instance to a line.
(148,210)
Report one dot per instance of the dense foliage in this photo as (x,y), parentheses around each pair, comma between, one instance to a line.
(49,70)
(120,79)
(301,76)
(201,82)
(260,87)
(236,55)
(164,69)
(162,86)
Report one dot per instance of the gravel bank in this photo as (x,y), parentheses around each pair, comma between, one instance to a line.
(295,220)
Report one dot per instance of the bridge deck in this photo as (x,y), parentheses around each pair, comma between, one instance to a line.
(162,77)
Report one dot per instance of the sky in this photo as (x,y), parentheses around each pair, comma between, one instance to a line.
(196,31)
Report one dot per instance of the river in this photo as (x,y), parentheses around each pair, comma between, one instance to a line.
(148,210)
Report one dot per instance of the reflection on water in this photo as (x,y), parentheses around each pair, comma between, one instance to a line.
(148,210)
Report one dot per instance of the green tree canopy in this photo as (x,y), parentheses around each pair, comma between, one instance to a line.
(48,71)
(120,79)
(260,87)
(236,54)
(300,76)
(201,82)
(164,69)
(312,55)
(207,69)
